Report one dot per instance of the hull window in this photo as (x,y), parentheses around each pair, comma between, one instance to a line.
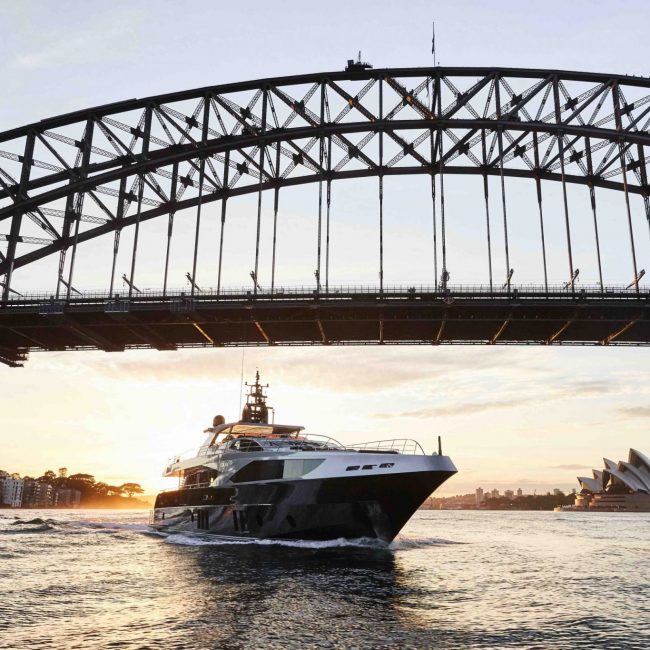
(240,521)
(202,519)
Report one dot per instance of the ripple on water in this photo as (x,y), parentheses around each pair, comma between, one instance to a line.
(450,580)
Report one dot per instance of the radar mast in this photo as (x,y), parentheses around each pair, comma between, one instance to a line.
(255,409)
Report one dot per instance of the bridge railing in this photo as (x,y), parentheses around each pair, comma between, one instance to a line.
(117,301)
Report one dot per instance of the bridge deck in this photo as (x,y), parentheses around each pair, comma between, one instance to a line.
(405,316)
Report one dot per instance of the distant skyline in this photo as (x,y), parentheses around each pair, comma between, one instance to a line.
(524,417)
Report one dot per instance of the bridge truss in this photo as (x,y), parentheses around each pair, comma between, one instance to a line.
(71,179)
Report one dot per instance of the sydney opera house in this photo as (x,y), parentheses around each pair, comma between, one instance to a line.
(622,486)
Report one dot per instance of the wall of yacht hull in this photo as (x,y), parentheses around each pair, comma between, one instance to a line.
(375,506)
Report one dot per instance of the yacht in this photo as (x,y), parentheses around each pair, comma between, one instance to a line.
(255,479)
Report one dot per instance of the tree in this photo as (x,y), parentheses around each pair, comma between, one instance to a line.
(114,490)
(85,478)
(131,489)
(102,488)
(48,476)
(85,483)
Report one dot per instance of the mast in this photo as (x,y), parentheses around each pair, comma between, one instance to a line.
(255,410)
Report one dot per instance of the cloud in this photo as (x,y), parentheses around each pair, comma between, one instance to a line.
(635,411)
(573,467)
(461,408)
(337,369)
(587,388)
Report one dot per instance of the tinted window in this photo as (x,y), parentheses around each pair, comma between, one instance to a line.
(259,470)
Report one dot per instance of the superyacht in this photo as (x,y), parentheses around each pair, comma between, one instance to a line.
(255,479)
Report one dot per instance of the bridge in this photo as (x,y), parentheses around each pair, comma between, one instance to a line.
(71,186)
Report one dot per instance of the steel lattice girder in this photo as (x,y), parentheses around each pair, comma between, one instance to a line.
(397,317)
(166,157)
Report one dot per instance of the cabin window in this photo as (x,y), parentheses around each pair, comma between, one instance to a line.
(351,468)
(386,465)
(368,467)
(259,470)
(244,444)
(296,467)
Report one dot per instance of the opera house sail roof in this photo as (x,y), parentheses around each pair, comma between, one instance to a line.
(632,475)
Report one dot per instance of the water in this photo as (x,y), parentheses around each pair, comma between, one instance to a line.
(99,579)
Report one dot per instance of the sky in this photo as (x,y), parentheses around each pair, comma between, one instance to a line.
(519,417)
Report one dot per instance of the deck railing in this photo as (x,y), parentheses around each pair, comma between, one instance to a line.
(398,445)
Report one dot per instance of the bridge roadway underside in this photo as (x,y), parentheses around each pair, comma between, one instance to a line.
(174,321)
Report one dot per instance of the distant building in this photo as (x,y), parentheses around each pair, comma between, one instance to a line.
(37,494)
(622,486)
(63,472)
(12,491)
(557,492)
(479,497)
(65,498)
(520,492)
(509,494)
(495,493)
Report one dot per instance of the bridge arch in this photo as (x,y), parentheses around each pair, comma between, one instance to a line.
(130,157)
(78,177)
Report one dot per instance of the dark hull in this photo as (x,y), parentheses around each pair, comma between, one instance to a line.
(350,507)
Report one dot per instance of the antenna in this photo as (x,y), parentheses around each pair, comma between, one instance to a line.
(241,379)
(433,42)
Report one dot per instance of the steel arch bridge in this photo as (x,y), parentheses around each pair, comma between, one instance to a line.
(71,179)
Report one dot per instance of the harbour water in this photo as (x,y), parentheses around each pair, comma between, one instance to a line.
(453,579)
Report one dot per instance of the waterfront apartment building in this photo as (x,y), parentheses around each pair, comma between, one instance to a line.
(16,492)
(479,497)
(37,494)
(64,498)
(11,491)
